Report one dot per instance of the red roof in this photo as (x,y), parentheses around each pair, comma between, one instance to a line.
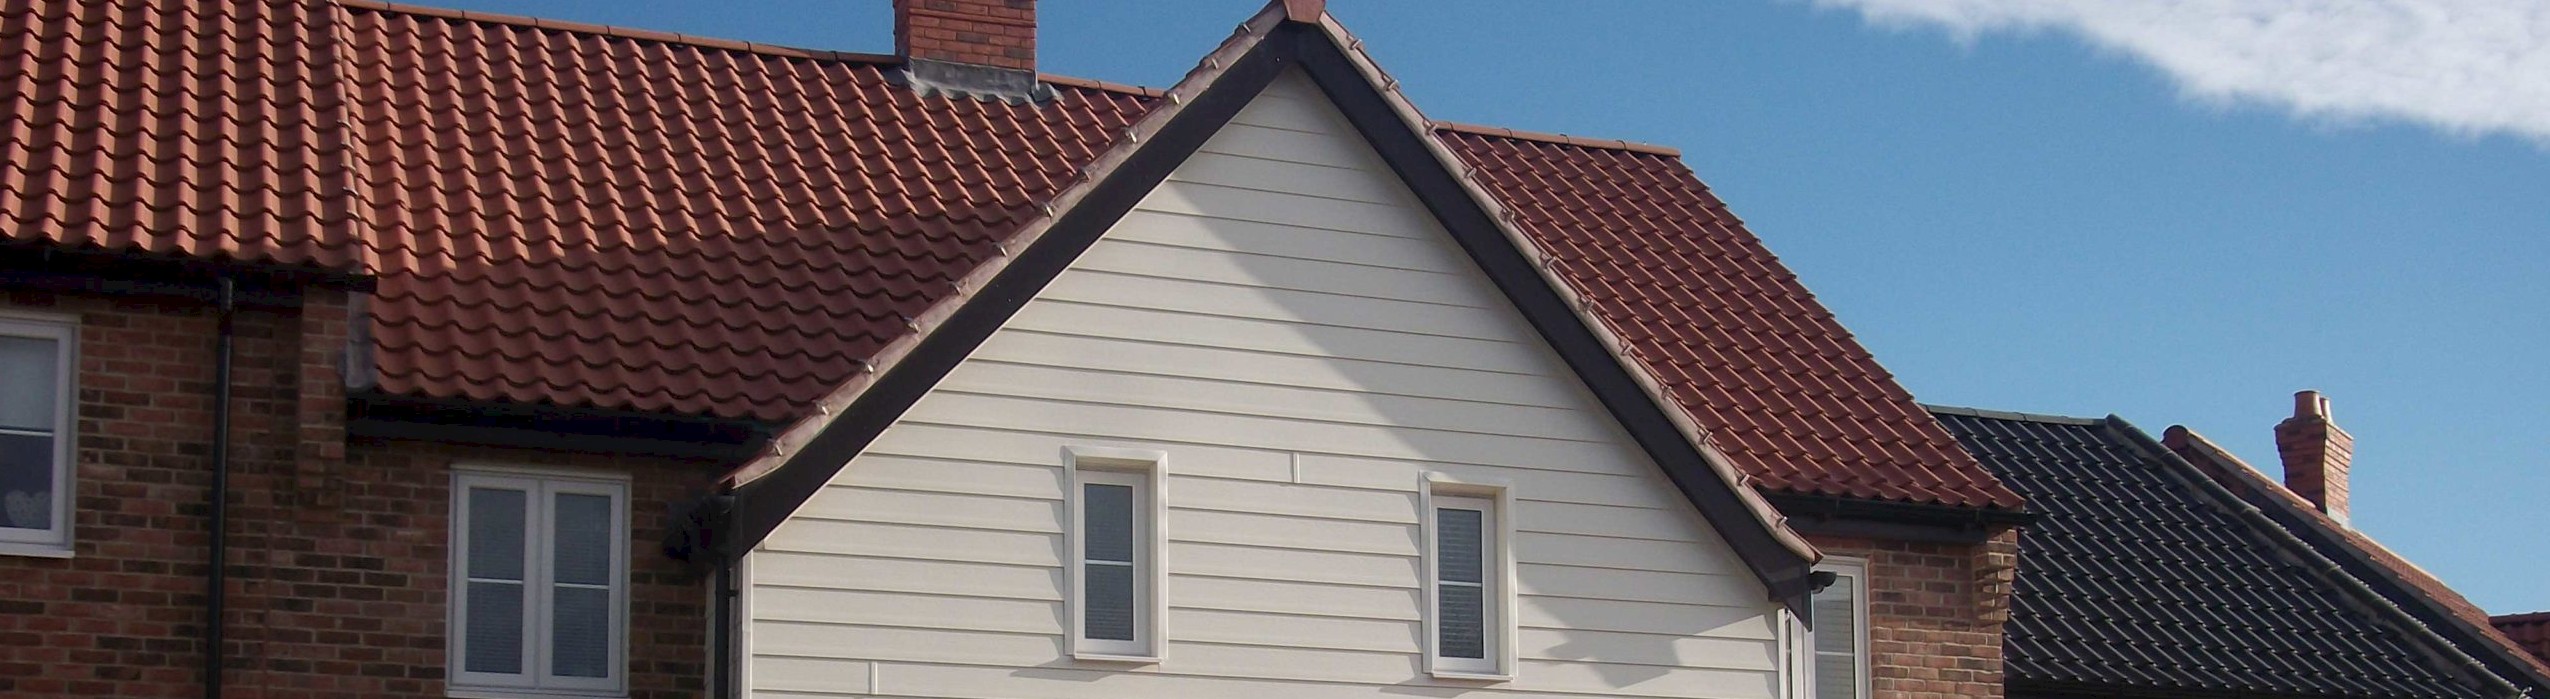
(585,216)
(185,128)
(2530,632)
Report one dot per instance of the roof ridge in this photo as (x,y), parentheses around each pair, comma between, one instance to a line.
(1936,409)
(632,33)
(1558,138)
(2521,617)
(1095,84)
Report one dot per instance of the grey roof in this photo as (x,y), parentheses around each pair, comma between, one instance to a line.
(2139,575)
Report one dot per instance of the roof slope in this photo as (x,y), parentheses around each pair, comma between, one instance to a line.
(2138,576)
(1735,338)
(2402,581)
(2529,631)
(598,219)
(203,129)
(590,217)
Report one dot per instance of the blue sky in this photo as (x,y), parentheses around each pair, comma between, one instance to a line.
(2041,220)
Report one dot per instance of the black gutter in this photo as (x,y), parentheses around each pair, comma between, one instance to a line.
(217,580)
(1832,515)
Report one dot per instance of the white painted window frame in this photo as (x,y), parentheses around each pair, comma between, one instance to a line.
(1797,655)
(1499,599)
(64,330)
(1143,470)
(1852,572)
(541,486)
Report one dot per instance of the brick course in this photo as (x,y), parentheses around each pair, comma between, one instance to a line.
(997,33)
(339,550)
(1935,613)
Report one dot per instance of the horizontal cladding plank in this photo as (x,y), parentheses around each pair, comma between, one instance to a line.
(878,468)
(1290,145)
(850,503)
(1327,567)
(778,676)
(1247,672)
(1278,531)
(1284,597)
(1198,199)
(1246,269)
(1291,242)
(1023,449)
(850,538)
(807,570)
(825,606)
(932,645)
(1288,499)
(1637,585)
(1569,613)
(1632,554)
(1326,181)
(1626,483)
(1040,380)
(1288,306)
(1295,631)
(1612,647)
(1141,322)
(1296,109)
(1622,522)
(1020,346)
(1139,424)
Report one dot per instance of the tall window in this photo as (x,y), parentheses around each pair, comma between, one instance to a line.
(1115,571)
(35,435)
(1841,632)
(1470,622)
(539,583)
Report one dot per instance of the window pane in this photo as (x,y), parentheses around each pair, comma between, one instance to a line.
(496,533)
(1461,622)
(1108,511)
(1456,544)
(580,641)
(494,637)
(1109,601)
(1834,677)
(583,548)
(29,381)
(1836,625)
(26,481)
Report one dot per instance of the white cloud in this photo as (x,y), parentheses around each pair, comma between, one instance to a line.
(2464,66)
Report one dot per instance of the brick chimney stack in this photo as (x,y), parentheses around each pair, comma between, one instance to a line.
(983,48)
(2316,454)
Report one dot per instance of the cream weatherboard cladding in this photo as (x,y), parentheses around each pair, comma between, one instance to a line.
(1286,324)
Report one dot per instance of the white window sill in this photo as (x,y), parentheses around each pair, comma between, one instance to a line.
(1116,658)
(34,550)
(515,693)
(1459,676)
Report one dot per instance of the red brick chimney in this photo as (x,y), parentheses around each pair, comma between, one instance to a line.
(2316,454)
(980,47)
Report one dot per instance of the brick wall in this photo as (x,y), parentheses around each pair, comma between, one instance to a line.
(338,550)
(998,33)
(1935,613)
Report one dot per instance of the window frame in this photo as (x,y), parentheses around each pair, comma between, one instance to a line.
(1853,572)
(56,540)
(1497,600)
(541,487)
(1143,470)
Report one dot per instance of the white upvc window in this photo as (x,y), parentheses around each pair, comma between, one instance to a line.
(540,591)
(1114,537)
(1469,583)
(37,362)
(1838,641)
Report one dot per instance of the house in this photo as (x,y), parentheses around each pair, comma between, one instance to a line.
(2147,575)
(373,350)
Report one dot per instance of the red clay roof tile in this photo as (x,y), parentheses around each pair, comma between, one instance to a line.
(205,129)
(2530,632)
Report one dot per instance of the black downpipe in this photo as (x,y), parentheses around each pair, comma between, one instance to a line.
(216,582)
(721,642)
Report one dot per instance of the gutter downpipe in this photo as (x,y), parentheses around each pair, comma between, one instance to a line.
(216,581)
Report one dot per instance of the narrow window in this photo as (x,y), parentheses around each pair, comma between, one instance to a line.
(35,436)
(1468,575)
(1841,632)
(540,583)
(1115,573)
